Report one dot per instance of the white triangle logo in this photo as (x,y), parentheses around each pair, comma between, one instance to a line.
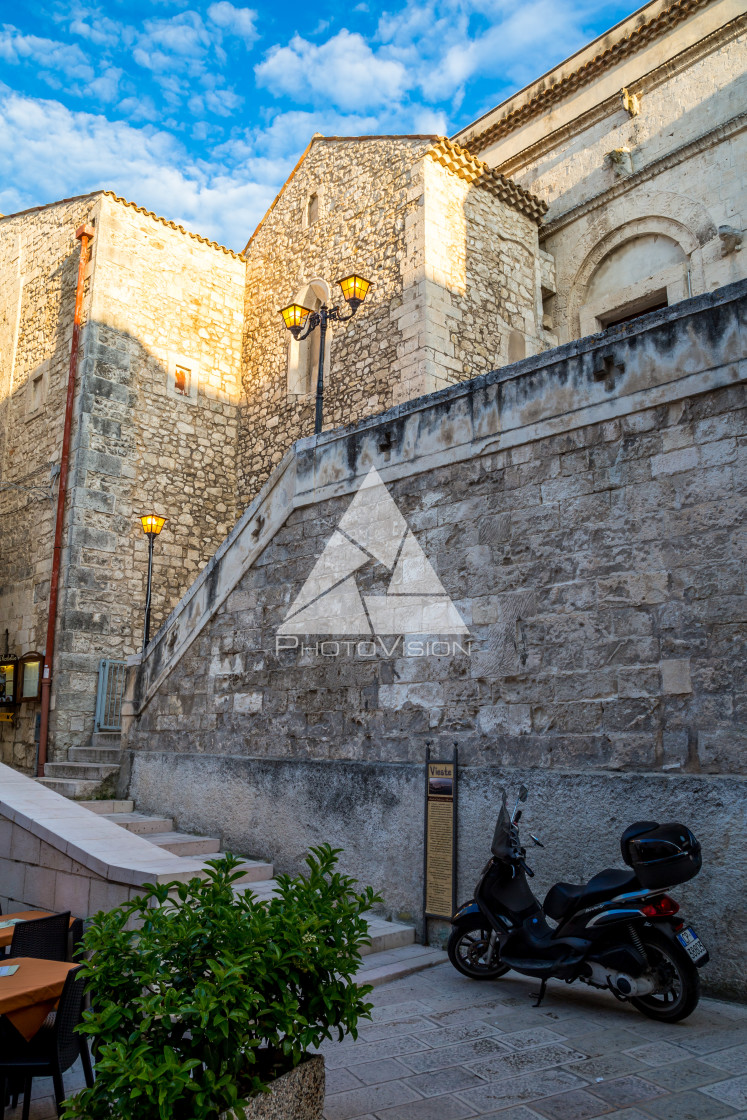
(372,528)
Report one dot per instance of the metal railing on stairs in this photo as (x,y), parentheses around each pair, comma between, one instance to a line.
(112,677)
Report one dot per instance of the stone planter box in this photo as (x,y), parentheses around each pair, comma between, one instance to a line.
(297,1095)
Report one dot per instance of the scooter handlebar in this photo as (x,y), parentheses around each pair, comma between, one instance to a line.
(527,870)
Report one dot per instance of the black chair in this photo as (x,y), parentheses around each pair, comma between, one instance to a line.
(43,938)
(54,1049)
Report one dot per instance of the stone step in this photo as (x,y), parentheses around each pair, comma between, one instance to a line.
(386,935)
(184,843)
(95,771)
(253,871)
(76,789)
(393,964)
(141,823)
(263,889)
(107,739)
(106,807)
(110,755)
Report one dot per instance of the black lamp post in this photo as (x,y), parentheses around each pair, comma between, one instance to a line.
(301,321)
(152,525)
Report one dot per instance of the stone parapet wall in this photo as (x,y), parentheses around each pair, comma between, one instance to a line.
(56,855)
(581,510)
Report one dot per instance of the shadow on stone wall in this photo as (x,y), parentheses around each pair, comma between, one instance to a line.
(135,448)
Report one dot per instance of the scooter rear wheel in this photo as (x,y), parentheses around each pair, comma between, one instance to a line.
(468,944)
(679,983)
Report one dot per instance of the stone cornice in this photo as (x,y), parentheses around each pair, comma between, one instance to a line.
(462,163)
(650,171)
(643,85)
(639,37)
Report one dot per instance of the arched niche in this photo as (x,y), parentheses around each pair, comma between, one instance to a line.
(638,267)
(303,357)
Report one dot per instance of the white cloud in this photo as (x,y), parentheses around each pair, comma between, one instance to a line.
(68,59)
(178,43)
(343,72)
(235,21)
(49,152)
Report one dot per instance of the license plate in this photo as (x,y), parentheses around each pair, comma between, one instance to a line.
(692,944)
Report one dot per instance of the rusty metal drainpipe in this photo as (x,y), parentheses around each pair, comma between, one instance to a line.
(84,235)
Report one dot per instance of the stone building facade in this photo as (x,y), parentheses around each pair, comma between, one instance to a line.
(155,428)
(638,145)
(452,253)
(565,279)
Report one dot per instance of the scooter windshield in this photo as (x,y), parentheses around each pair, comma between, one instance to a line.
(501,845)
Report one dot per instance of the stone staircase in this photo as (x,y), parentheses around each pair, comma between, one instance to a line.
(89,771)
(392,953)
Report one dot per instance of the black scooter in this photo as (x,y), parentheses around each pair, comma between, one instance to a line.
(619,931)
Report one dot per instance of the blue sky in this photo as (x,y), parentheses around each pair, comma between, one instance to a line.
(199,110)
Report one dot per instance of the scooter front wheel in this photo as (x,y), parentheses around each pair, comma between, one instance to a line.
(468,946)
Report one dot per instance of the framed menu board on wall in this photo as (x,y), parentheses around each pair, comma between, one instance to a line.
(8,682)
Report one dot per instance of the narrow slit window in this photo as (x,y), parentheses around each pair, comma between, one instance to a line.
(37,393)
(312,209)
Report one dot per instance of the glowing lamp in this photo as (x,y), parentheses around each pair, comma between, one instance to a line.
(294,317)
(354,289)
(152,523)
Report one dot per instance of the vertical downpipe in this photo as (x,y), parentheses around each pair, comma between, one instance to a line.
(84,235)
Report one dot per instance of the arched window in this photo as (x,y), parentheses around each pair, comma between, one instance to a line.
(303,357)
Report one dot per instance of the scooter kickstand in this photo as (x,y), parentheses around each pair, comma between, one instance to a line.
(540,994)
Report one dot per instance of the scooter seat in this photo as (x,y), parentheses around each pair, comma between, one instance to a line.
(566,897)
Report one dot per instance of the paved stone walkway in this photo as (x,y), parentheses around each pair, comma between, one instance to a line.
(442,1047)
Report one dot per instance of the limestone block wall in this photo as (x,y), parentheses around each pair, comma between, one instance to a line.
(680,169)
(163,312)
(38,274)
(160,300)
(582,511)
(454,273)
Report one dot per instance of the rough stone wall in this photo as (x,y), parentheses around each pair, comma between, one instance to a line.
(682,170)
(38,274)
(156,298)
(597,565)
(160,299)
(453,270)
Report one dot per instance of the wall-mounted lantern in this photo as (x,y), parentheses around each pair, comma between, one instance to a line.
(30,668)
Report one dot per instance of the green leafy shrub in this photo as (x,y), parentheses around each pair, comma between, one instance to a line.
(211,996)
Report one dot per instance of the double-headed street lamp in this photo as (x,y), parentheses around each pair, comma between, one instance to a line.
(301,321)
(152,525)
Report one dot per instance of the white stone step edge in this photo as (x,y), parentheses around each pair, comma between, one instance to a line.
(383,968)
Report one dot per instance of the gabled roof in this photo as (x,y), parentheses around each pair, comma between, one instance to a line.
(133,206)
(318,138)
(445,152)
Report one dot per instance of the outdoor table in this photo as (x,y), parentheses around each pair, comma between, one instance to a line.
(28,996)
(6,932)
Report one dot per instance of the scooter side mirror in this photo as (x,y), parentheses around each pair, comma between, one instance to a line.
(523,793)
